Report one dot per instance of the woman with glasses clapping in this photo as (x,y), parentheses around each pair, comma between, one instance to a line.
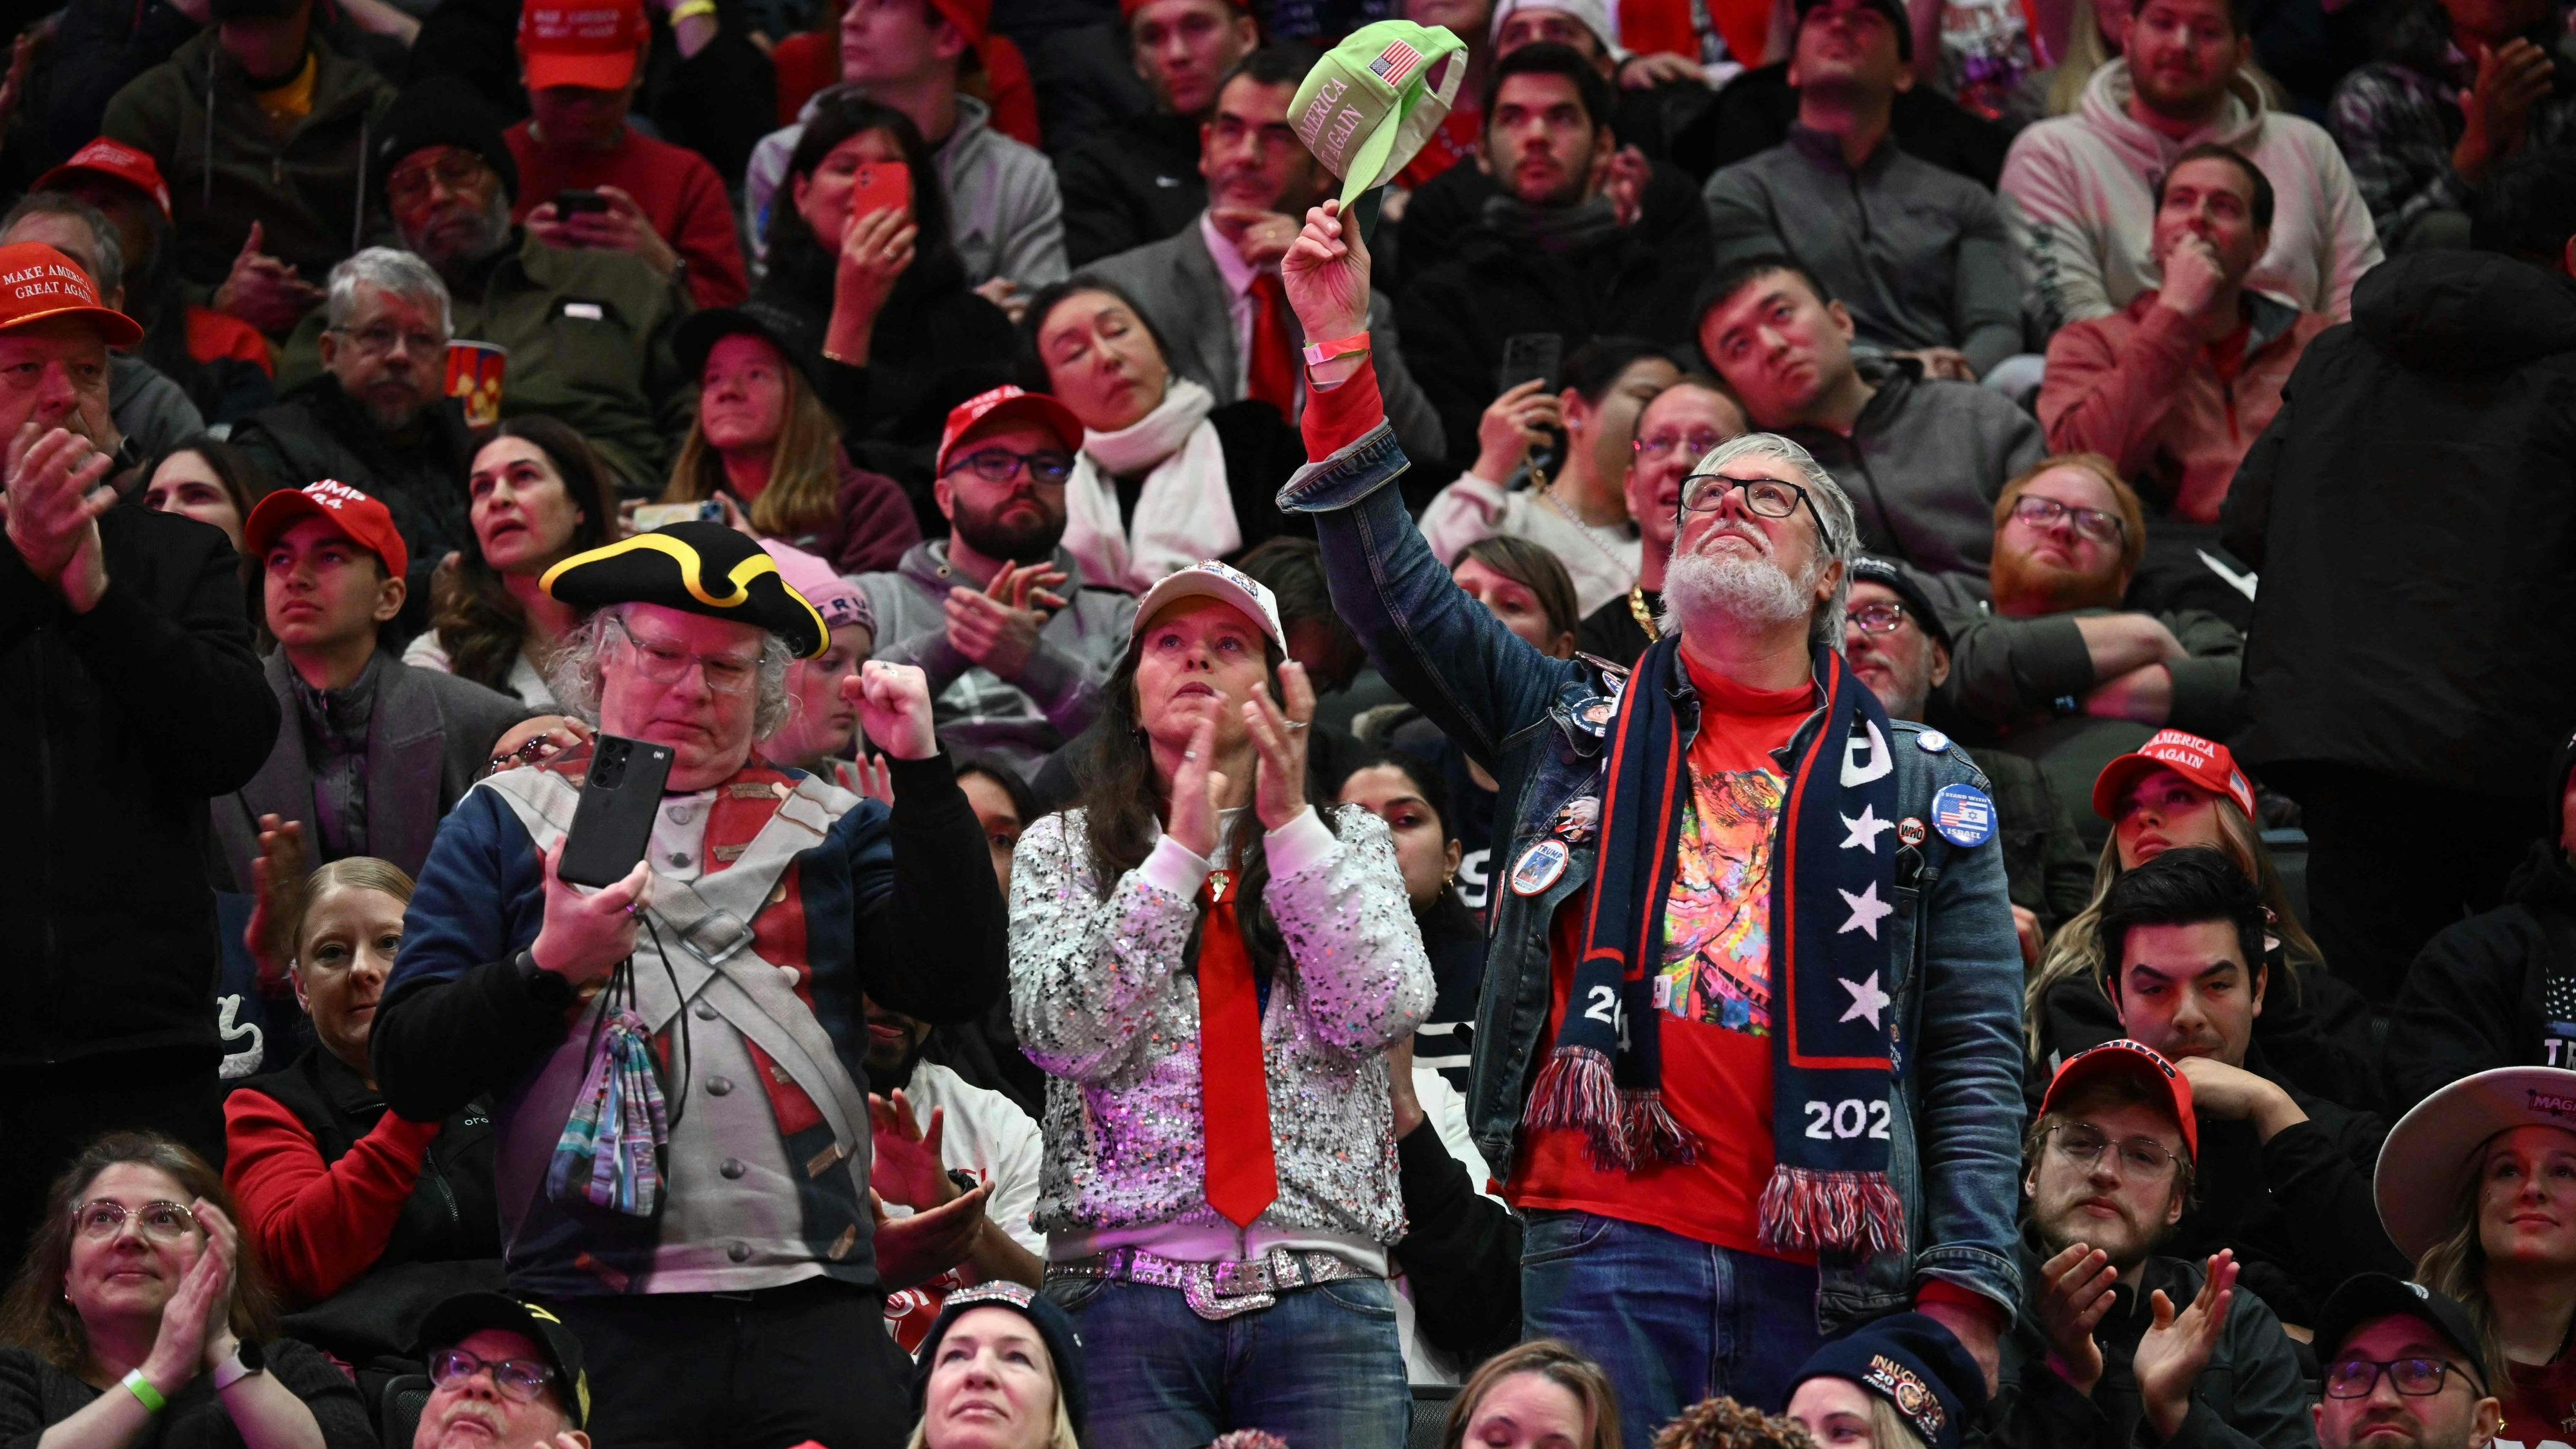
(140,1316)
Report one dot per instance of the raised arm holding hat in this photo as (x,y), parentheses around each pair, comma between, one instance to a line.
(768,903)
(1672,1120)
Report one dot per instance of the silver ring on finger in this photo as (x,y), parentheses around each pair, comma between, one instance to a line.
(1298,724)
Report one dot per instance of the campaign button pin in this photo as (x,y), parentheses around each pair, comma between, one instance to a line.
(1596,714)
(1932,742)
(1963,815)
(1539,866)
(1909,831)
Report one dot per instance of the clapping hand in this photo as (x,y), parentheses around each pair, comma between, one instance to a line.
(1196,785)
(2177,1346)
(998,626)
(277,892)
(2075,1293)
(1279,789)
(56,490)
(907,1168)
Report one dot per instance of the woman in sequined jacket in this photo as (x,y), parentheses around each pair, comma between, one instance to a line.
(1274,1204)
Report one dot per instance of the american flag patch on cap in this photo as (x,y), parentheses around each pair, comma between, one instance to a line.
(1395,62)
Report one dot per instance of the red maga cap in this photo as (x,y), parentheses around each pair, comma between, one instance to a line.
(581,42)
(117,161)
(361,518)
(40,284)
(1007,403)
(2205,763)
(2135,1059)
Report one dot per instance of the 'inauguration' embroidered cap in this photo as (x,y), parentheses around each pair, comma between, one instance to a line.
(1371,101)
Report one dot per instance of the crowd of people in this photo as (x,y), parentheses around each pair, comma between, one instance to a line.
(837,724)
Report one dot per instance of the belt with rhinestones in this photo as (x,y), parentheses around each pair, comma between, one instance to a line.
(1216,1290)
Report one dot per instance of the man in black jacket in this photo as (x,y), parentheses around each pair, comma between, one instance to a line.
(1571,247)
(128,697)
(2283,1176)
(2498,989)
(1138,180)
(2416,478)
(2094,1361)
(378,418)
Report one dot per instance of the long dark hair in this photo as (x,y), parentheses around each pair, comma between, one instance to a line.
(1123,805)
(804,264)
(1032,363)
(38,1316)
(1447,915)
(476,620)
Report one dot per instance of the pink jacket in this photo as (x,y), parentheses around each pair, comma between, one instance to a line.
(2138,387)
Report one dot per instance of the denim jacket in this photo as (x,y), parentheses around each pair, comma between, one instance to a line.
(1957,1113)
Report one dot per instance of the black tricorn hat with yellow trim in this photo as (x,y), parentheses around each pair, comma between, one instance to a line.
(704,568)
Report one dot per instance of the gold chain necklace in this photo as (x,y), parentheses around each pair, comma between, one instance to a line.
(1547,494)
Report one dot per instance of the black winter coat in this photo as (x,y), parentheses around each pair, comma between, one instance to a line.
(2476,998)
(447,1239)
(116,727)
(1636,282)
(2413,511)
(1134,183)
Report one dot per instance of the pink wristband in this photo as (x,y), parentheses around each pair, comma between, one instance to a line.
(1319,353)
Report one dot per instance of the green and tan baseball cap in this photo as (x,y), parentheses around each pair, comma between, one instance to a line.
(1372,101)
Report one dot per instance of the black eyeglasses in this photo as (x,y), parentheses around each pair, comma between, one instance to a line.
(1001,465)
(1875,618)
(2416,1378)
(522,1379)
(2093,523)
(1767,497)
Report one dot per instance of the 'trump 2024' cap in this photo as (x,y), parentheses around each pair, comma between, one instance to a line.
(1372,100)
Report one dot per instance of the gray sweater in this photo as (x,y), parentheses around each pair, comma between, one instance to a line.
(1921,257)
(1018,721)
(1923,463)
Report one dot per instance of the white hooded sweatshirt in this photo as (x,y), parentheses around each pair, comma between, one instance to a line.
(2079,193)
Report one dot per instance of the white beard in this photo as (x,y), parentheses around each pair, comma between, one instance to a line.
(1708,591)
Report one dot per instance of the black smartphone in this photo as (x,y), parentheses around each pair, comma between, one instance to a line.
(614,821)
(569,201)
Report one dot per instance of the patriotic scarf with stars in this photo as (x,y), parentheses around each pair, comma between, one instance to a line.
(1833,886)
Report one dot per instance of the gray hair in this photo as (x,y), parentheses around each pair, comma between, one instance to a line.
(575,674)
(1833,509)
(107,245)
(387,269)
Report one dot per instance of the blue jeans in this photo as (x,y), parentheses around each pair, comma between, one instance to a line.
(1671,1319)
(1321,1368)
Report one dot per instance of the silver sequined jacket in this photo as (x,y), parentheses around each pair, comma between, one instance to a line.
(1106,1004)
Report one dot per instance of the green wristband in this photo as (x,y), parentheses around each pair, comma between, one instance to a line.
(142,1389)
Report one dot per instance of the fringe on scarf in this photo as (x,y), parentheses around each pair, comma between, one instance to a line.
(1653,1133)
(1576,1089)
(1814,1211)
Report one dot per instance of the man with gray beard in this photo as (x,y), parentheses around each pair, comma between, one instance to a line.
(1735,895)
(587,332)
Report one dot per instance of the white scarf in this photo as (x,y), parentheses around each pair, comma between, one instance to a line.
(1185,513)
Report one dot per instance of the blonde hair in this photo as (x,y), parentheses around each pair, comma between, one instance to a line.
(1888,1429)
(2076,949)
(357,873)
(2457,1265)
(1059,1437)
(1561,1364)
(804,490)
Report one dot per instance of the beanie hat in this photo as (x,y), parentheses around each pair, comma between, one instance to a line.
(1055,1330)
(1917,1366)
(440,110)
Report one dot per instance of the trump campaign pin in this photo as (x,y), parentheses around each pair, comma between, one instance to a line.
(1964,816)
(1932,742)
(1539,866)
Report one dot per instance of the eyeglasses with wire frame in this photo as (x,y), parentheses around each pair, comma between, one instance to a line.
(2082,1144)
(103,1218)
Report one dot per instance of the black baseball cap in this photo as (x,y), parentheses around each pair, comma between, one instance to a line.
(1869,568)
(1895,14)
(466,1314)
(2367,1296)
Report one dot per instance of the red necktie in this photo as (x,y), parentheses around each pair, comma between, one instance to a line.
(1270,373)
(1234,1088)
